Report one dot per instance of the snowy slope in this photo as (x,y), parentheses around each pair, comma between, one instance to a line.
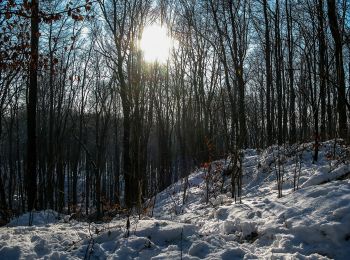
(310,223)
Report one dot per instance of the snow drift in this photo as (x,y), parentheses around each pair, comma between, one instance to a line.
(312,222)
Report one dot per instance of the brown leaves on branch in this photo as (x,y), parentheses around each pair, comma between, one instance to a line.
(13,8)
(75,12)
(14,42)
(76,17)
(49,18)
(14,30)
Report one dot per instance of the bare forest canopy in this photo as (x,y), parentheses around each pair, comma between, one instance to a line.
(88,124)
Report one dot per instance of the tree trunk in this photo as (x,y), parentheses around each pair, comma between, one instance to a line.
(322,72)
(31,107)
(292,112)
(338,52)
(268,75)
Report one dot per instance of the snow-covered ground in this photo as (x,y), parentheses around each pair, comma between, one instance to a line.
(312,222)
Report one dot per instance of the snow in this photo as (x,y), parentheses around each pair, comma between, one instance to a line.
(40,218)
(325,174)
(312,222)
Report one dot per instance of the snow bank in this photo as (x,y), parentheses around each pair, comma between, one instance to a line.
(165,232)
(310,223)
(325,174)
(39,218)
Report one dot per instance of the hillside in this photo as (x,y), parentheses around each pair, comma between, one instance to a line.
(312,222)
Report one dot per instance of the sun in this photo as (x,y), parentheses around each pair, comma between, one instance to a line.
(155,43)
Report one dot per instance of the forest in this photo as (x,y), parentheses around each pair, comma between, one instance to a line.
(90,125)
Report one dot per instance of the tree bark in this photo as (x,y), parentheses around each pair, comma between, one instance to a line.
(31,108)
(268,75)
(338,53)
(322,71)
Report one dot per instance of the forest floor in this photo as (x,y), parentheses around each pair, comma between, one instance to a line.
(312,222)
